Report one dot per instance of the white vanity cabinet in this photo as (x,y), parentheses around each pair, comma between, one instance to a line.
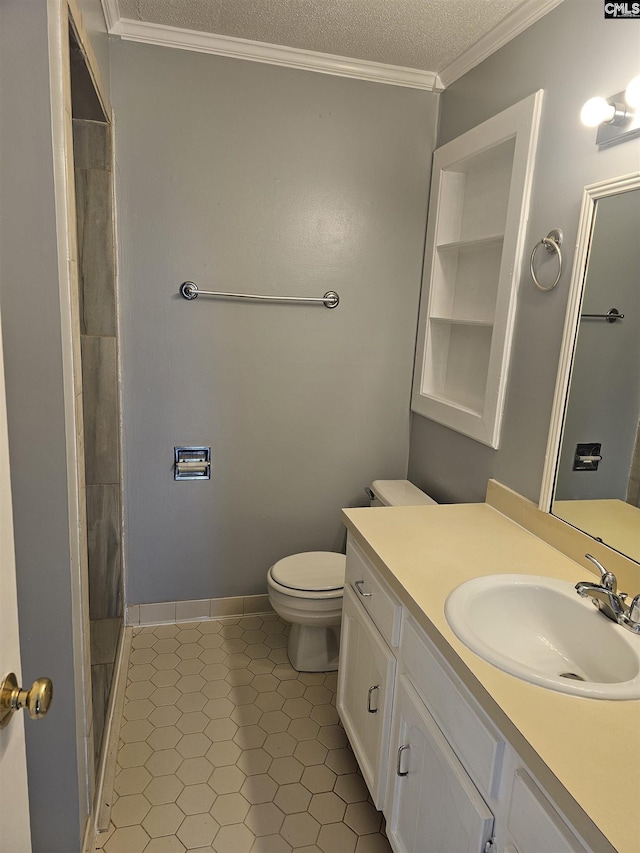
(371,620)
(445,777)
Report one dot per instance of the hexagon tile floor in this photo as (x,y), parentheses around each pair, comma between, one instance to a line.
(225,747)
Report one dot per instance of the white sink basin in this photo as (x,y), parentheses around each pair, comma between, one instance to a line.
(540,630)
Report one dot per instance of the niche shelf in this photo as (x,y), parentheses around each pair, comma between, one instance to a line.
(477,223)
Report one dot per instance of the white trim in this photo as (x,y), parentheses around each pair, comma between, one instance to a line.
(591,194)
(272,54)
(111,12)
(326,63)
(510,27)
(201,610)
(105,776)
(124,529)
(61,137)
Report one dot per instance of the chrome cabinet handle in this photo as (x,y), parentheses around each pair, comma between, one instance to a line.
(399,763)
(358,585)
(369,692)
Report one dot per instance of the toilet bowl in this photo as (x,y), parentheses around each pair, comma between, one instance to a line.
(306,589)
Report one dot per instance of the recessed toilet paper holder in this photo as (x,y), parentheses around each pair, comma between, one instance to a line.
(192,463)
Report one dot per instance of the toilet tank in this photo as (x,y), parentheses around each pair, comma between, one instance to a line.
(397,493)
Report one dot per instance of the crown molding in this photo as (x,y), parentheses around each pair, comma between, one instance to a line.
(326,63)
(111,12)
(511,26)
(272,54)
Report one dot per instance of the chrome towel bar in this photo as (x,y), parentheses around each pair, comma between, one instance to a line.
(190,290)
(611,316)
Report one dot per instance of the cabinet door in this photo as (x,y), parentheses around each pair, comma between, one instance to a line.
(533,823)
(434,805)
(365,692)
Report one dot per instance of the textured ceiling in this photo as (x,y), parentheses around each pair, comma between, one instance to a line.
(422,34)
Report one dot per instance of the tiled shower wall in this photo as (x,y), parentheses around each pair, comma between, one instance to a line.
(99,337)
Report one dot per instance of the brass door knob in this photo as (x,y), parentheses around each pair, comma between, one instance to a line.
(36,700)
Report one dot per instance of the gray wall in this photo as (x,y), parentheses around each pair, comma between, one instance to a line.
(249,177)
(30,305)
(572,53)
(604,401)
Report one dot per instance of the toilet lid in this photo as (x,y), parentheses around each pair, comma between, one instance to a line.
(316,571)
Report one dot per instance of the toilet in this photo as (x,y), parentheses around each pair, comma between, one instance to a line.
(306,589)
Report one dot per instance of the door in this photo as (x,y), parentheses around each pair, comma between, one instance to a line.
(435,807)
(14,804)
(365,692)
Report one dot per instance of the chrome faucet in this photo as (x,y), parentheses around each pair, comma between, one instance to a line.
(608,600)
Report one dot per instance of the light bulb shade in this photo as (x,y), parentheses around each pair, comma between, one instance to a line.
(632,93)
(596,111)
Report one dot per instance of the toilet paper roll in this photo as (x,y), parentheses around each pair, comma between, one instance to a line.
(195,466)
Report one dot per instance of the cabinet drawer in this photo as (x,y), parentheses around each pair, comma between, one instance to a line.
(479,746)
(534,824)
(377,599)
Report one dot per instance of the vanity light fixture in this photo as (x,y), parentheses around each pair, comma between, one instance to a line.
(617,118)
(632,93)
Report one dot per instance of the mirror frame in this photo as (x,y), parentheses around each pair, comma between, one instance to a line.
(592,193)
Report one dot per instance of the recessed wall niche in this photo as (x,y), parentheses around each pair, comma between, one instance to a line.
(477,223)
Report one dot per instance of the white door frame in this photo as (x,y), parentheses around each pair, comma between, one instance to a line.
(58,13)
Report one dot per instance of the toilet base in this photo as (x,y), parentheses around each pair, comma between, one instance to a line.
(314,648)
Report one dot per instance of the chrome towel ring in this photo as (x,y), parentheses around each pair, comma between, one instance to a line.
(552,243)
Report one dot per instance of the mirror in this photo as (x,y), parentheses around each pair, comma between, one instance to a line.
(593,481)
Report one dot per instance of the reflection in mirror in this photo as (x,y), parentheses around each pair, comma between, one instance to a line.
(597,486)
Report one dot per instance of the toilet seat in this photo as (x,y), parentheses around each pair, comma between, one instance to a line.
(314,574)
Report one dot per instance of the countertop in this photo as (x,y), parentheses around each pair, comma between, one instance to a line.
(586,752)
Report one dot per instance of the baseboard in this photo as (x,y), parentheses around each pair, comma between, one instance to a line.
(164,612)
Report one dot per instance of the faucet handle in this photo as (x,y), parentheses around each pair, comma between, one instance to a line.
(608,579)
(630,617)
